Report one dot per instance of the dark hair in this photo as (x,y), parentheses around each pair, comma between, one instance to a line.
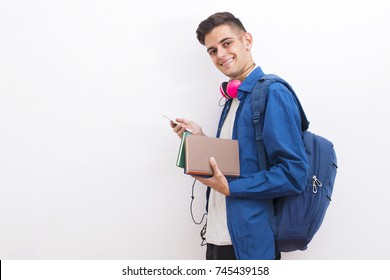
(206,26)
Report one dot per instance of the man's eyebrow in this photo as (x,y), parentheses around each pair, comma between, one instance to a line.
(220,42)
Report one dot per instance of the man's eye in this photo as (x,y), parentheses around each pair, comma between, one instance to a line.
(211,52)
(226,44)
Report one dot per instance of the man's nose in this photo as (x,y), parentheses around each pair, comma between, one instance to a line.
(221,52)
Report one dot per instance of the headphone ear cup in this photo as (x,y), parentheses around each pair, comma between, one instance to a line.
(232,88)
(222,89)
(229,90)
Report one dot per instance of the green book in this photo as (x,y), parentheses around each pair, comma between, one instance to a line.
(181,156)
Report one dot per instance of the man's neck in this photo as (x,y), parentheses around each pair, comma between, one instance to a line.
(245,73)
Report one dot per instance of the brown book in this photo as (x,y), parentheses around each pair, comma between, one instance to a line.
(199,149)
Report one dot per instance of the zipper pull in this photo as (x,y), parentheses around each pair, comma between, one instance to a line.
(316,183)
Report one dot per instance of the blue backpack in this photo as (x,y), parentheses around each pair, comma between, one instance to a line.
(297,217)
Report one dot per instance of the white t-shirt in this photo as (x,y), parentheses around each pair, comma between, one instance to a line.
(217,232)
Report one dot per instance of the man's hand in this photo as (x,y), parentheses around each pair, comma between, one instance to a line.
(183,124)
(218,182)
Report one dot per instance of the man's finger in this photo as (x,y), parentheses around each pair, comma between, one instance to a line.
(214,166)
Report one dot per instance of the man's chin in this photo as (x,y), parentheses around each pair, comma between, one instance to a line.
(228,74)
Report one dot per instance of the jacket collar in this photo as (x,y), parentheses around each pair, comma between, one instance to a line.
(249,83)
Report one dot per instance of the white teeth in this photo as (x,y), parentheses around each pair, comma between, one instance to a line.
(230,60)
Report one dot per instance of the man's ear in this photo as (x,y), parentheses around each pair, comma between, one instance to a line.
(248,40)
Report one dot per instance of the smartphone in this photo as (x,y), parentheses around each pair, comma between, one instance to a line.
(172,120)
(175,122)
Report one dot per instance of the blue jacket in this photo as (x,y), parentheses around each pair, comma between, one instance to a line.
(249,206)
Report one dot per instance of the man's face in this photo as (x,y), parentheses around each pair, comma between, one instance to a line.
(229,49)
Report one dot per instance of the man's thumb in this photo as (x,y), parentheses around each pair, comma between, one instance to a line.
(214,165)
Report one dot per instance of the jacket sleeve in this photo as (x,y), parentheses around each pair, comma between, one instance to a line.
(285,150)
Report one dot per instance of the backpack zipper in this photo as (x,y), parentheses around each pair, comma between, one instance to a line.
(316,183)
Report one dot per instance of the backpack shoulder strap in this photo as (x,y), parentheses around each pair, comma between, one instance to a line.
(259,102)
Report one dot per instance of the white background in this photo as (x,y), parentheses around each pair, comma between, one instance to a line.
(87,162)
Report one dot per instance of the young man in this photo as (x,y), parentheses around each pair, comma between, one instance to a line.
(240,209)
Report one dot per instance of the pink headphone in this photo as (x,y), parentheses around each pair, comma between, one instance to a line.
(229,90)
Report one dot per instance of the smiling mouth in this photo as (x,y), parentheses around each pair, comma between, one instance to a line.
(227,62)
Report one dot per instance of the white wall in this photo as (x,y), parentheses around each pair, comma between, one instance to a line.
(87,162)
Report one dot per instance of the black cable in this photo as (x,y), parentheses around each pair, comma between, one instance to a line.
(203,230)
(192,200)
